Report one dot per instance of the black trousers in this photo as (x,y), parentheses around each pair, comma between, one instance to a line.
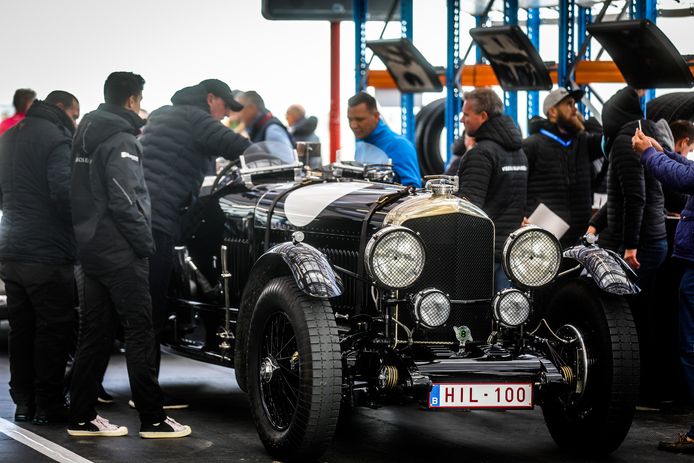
(41,312)
(160,268)
(119,295)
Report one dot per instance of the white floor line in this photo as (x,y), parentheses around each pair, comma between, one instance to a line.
(38,443)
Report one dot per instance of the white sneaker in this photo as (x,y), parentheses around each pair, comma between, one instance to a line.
(97,427)
(168,428)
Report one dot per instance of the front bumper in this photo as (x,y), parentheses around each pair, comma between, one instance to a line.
(537,370)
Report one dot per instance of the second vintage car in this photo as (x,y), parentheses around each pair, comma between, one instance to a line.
(325,292)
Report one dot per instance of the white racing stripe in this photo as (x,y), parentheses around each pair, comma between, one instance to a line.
(38,443)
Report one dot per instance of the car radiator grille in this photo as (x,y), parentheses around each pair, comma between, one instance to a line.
(459,262)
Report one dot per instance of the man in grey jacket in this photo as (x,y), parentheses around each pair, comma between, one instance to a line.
(180,142)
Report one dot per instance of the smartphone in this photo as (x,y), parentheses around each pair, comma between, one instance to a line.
(639,124)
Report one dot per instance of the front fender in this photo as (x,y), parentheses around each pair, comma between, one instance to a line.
(310,268)
(607,269)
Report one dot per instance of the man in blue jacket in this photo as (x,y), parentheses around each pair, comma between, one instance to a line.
(365,121)
(676,172)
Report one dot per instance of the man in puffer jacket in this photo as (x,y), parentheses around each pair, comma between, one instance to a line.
(636,218)
(494,173)
(676,172)
(561,150)
(635,205)
(180,142)
(37,251)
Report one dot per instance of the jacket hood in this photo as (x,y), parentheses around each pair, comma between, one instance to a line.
(662,133)
(100,125)
(502,130)
(623,107)
(305,126)
(195,95)
(51,113)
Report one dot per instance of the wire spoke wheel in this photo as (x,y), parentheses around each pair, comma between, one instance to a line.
(294,371)
(279,376)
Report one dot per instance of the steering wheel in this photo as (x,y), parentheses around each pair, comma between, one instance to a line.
(225,176)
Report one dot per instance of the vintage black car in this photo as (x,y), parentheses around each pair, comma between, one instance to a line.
(326,292)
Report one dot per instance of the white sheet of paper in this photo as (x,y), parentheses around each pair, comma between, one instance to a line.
(543,217)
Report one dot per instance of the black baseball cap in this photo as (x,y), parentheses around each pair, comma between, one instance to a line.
(222,90)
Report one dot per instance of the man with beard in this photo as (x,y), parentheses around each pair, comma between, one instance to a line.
(561,150)
(493,174)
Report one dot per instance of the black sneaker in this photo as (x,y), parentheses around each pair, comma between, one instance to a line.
(24,412)
(169,403)
(97,427)
(168,428)
(683,444)
(102,396)
(51,415)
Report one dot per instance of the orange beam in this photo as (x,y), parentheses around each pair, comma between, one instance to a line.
(482,75)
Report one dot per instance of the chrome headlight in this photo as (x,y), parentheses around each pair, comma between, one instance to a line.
(395,257)
(531,257)
(511,307)
(431,308)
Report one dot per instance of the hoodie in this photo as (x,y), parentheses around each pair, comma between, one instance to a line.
(635,204)
(494,176)
(180,142)
(109,198)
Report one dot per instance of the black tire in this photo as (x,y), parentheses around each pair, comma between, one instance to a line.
(429,125)
(296,409)
(597,421)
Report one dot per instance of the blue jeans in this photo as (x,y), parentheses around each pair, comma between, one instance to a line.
(686,330)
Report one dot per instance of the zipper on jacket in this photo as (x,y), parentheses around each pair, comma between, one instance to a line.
(123,190)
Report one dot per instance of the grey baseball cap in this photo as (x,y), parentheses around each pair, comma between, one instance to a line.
(556,96)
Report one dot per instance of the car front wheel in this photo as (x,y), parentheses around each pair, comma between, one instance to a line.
(600,358)
(294,371)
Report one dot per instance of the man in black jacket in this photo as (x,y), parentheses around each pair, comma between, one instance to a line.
(111,217)
(561,150)
(37,250)
(180,141)
(494,173)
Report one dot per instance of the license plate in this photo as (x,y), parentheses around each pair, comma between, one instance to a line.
(481,395)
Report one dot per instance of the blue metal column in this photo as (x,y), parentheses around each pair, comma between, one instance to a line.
(452,93)
(478,51)
(406,99)
(511,98)
(646,9)
(566,40)
(359,13)
(584,19)
(533,106)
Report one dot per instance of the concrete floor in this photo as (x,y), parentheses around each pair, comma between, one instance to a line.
(223,430)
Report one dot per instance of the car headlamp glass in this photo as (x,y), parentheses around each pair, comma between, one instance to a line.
(531,257)
(511,307)
(395,257)
(431,308)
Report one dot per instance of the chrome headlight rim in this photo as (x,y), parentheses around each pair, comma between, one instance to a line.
(417,305)
(373,246)
(513,239)
(497,308)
